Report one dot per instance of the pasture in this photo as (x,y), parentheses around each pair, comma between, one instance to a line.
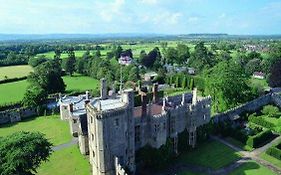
(14,92)
(9,72)
(78,54)
(56,130)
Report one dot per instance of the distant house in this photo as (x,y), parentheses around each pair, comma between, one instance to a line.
(258,75)
(149,76)
(191,71)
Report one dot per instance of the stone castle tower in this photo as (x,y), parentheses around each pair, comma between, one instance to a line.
(111,132)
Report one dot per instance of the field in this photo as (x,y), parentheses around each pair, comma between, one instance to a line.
(252,168)
(66,161)
(80,83)
(9,72)
(78,54)
(14,92)
(56,131)
(212,154)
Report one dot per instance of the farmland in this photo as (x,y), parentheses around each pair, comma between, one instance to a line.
(14,92)
(9,72)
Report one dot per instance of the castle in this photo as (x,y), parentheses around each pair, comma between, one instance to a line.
(110,128)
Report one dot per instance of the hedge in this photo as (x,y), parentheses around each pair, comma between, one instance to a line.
(260,121)
(184,81)
(274,152)
(12,80)
(257,140)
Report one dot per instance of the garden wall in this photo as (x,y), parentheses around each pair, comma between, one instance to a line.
(251,106)
(15,115)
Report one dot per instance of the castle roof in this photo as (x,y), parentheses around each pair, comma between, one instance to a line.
(108,104)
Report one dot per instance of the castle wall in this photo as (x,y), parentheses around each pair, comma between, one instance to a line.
(15,115)
(247,107)
(83,144)
(64,112)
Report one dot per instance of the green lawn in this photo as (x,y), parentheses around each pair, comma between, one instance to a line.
(68,161)
(238,144)
(80,83)
(211,154)
(55,129)
(14,71)
(12,92)
(271,159)
(252,168)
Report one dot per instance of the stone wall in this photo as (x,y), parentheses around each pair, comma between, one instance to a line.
(15,115)
(248,107)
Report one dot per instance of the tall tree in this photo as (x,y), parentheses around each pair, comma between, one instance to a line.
(70,62)
(48,77)
(227,84)
(201,57)
(183,53)
(21,153)
(275,74)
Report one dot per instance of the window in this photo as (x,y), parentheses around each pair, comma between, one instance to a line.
(116,122)
(74,121)
(92,137)
(204,117)
(91,118)
(164,125)
(93,154)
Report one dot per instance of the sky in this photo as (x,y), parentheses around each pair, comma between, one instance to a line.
(140,16)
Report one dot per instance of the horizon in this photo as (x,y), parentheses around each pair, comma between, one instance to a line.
(165,17)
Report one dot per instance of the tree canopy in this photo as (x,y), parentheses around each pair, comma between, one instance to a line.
(21,153)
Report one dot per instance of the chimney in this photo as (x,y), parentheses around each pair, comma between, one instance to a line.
(164,104)
(98,105)
(87,95)
(103,90)
(60,97)
(194,96)
(155,92)
(143,105)
(183,99)
(71,107)
(86,102)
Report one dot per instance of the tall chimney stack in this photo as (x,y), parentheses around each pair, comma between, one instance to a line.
(143,105)
(155,92)
(194,96)
(103,89)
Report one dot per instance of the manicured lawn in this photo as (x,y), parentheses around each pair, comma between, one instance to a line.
(211,154)
(68,161)
(14,71)
(80,83)
(252,168)
(238,144)
(271,159)
(12,92)
(55,129)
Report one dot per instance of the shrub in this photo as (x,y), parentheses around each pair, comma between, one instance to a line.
(271,111)
(274,152)
(260,121)
(259,139)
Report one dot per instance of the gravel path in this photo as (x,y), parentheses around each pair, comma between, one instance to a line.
(74,141)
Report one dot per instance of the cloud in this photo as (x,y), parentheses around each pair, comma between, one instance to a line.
(109,11)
